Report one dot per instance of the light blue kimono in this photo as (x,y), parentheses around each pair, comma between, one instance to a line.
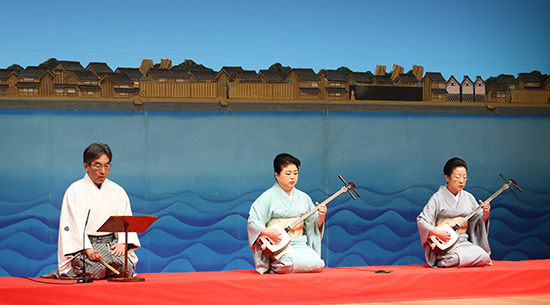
(274,203)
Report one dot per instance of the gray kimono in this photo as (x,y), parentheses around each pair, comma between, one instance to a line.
(473,244)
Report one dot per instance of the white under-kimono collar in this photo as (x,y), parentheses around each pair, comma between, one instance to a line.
(455,197)
(287,195)
(92,187)
(290,195)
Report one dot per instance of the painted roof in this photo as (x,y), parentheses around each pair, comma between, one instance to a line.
(32,71)
(435,76)
(119,78)
(179,73)
(408,78)
(499,87)
(383,79)
(71,65)
(249,75)
(361,77)
(5,73)
(528,77)
(100,67)
(202,75)
(272,76)
(161,73)
(131,72)
(231,70)
(306,75)
(509,79)
(85,75)
(333,75)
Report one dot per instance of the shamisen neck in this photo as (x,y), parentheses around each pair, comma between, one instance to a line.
(306,215)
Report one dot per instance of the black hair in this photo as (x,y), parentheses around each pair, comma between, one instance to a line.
(282,160)
(95,151)
(452,164)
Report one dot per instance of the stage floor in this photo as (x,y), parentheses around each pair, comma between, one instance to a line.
(525,300)
(346,285)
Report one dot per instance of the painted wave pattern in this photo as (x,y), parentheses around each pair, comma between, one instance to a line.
(195,233)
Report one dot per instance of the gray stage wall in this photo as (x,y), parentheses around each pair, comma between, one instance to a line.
(199,172)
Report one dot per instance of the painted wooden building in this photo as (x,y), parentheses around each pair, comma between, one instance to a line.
(406,80)
(118,85)
(224,87)
(270,76)
(247,84)
(228,71)
(99,68)
(382,80)
(86,81)
(63,68)
(498,93)
(509,80)
(160,75)
(35,82)
(335,86)
(8,79)
(435,87)
(359,78)
(133,73)
(529,81)
(306,84)
(525,89)
(356,81)
(205,76)
(245,76)
(180,75)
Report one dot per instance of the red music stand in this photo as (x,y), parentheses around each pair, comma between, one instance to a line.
(127,224)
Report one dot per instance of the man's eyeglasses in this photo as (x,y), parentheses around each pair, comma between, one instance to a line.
(98,166)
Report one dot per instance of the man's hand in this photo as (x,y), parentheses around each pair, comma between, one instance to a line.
(93,254)
(118,249)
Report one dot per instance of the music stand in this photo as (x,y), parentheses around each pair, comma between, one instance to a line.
(127,224)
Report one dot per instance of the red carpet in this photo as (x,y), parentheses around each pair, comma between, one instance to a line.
(332,286)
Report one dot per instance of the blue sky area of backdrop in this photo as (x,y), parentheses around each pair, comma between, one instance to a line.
(484,38)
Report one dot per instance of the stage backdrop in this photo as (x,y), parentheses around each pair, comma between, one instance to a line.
(199,172)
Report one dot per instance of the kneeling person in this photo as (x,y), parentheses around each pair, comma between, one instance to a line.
(450,204)
(283,204)
(101,198)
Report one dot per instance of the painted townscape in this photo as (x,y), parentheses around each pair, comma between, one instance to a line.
(60,79)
